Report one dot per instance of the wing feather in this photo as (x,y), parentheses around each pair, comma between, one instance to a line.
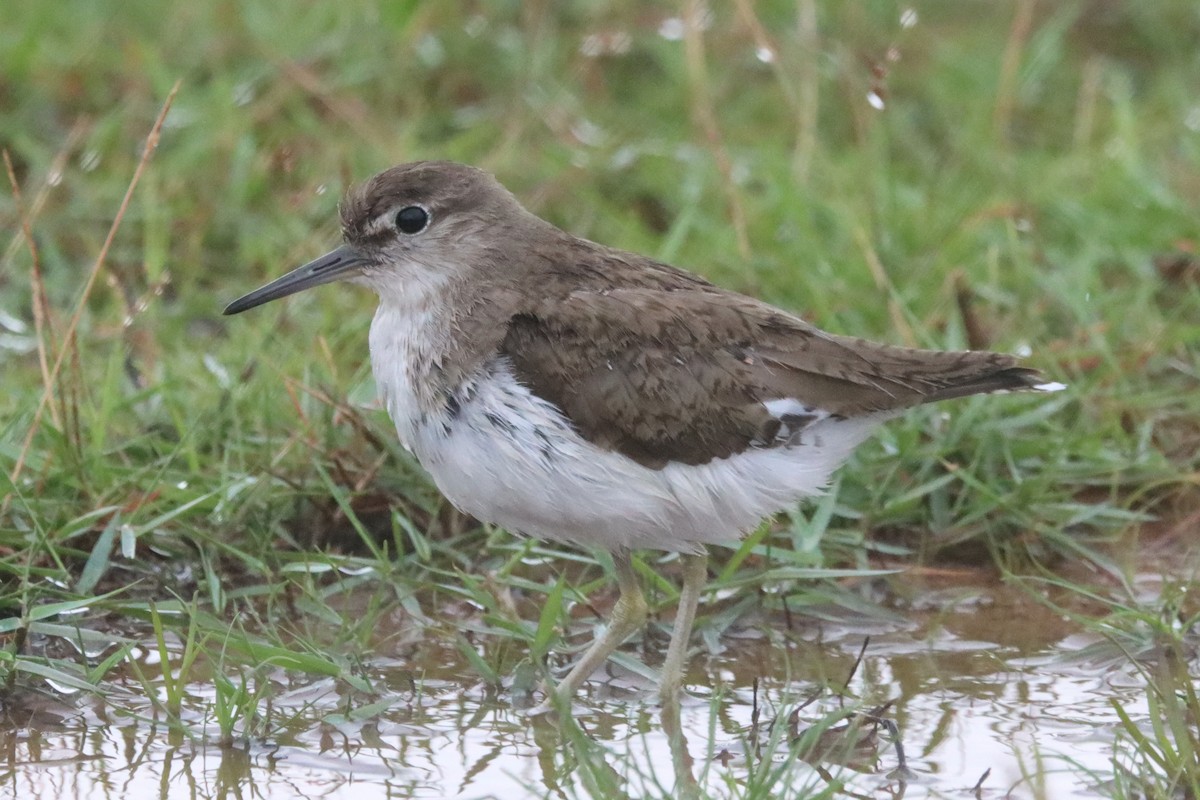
(688,373)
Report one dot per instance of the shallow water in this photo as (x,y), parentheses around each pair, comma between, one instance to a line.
(982,678)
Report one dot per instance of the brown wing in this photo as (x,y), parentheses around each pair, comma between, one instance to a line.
(681,374)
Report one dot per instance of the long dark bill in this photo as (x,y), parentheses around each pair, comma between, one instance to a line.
(336,264)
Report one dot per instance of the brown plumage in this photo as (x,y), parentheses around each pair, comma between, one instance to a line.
(681,374)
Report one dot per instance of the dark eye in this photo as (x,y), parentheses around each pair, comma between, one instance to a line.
(411,219)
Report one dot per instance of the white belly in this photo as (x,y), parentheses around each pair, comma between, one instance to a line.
(510,458)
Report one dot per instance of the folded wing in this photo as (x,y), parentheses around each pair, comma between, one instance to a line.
(693,373)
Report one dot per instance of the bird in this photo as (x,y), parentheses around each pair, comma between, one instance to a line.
(575,392)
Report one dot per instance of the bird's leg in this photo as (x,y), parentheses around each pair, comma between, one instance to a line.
(695,573)
(628,615)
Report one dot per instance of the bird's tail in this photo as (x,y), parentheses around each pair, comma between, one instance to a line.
(1005,379)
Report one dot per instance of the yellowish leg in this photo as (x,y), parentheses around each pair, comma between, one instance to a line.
(628,615)
(695,574)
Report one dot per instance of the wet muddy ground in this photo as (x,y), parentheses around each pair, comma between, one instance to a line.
(992,694)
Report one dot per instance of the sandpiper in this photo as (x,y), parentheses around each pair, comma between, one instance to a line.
(571,391)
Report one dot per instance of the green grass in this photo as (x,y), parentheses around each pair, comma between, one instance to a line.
(225,484)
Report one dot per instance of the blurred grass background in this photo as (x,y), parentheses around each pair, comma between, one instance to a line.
(1017,175)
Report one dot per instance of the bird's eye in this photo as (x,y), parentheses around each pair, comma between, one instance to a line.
(412,219)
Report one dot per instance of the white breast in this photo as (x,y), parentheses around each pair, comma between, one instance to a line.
(404,353)
(508,457)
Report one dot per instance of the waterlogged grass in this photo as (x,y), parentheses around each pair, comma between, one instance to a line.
(1157,755)
(210,513)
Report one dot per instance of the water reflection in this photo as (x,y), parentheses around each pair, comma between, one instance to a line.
(686,786)
(973,691)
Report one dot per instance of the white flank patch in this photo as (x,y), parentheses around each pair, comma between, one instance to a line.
(790,406)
